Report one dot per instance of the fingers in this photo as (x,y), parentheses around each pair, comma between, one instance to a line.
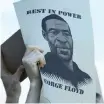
(38,58)
(35,57)
(30,47)
(41,61)
(19,71)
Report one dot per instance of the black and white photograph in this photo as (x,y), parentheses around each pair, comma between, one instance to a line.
(56,31)
(64,32)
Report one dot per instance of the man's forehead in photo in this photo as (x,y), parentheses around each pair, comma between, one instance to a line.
(56,24)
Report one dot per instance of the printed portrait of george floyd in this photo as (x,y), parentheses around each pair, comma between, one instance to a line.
(59,61)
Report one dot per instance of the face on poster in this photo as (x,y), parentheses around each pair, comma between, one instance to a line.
(64,33)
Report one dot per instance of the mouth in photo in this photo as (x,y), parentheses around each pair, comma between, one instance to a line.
(63,51)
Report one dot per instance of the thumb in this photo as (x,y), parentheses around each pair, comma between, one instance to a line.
(19,71)
(31,47)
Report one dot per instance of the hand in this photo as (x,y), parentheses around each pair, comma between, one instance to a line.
(33,60)
(11,83)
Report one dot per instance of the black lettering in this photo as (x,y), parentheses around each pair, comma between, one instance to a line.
(43,10)
(73,89)
(79,16)
(81,91)
(33,11)
(56,85)
(49,11)
(60,86)
(60,12)
(64,13)
(76,90)
(38,11)
(67,88)
(52,84)
(54,11)
(74,15)
(29,12)
(70,14)
(48,82)
(45,80)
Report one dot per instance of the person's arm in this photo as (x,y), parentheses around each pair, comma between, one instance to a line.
(34,92)
(35,85)
(11,83)
(30,59)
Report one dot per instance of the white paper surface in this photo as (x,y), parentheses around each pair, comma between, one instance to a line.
(30,15)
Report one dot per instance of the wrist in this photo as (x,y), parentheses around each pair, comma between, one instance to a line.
(35,82)
(13,93)
(12,99)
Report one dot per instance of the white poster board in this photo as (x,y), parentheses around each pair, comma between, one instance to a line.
(63,30)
